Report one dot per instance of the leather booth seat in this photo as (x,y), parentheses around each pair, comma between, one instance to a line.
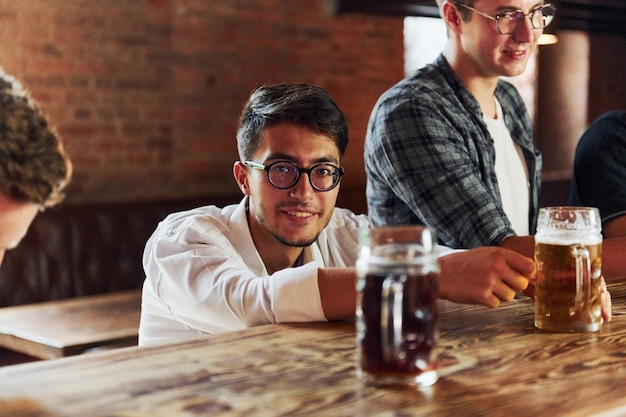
(76,250)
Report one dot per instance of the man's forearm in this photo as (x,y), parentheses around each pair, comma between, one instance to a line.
(337,292)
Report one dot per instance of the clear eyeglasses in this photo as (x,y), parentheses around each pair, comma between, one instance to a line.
(509,22)
(285,174)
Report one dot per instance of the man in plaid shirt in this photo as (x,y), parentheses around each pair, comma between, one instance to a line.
(450,146)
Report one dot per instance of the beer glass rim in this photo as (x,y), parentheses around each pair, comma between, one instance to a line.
(569,208)
(402,234)
(591,223)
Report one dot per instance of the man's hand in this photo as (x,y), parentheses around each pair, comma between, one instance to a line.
(605,299)
(485,276)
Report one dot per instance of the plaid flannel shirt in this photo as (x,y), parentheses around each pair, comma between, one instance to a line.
(430,159)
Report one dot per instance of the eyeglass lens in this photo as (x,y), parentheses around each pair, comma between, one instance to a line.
(321,177)
(540,18)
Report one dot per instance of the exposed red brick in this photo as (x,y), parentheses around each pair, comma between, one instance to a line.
(147,93)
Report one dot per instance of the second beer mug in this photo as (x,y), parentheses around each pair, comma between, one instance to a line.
(397,318)
(568,256)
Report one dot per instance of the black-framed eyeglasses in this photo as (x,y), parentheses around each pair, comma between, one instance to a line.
(509,22)
(285,174)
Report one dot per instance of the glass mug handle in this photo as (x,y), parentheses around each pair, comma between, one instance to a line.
(391,316)
(583,274)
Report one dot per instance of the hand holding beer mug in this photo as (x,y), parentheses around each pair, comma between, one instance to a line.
(568,257)
(397,317)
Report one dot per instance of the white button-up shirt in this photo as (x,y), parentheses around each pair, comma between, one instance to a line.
(204,274)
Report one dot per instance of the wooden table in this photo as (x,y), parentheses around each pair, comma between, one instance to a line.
(68,327)
(496,364)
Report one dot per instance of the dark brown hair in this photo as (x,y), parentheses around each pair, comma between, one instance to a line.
(301,104)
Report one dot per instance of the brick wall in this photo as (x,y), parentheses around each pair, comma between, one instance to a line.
(146,93)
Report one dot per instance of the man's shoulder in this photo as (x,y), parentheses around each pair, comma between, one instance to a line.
(344,219)
(344,213)
(425,87)
(608,131)
(427,79)
(204,217)
(339,240)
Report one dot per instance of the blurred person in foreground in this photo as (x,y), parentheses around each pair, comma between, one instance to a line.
(285,253)
(35,168)
(599,177)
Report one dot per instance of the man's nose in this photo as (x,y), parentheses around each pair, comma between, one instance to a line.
(525,32)
(302,188)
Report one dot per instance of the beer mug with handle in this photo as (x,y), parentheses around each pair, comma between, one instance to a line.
(397,317)
(568,257)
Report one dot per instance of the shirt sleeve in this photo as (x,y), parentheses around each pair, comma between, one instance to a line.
(202,281)
(295,295)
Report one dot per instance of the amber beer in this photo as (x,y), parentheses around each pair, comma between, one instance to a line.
(568,257)
(557,306)
(397,316)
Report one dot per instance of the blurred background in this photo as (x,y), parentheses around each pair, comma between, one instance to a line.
(147,93)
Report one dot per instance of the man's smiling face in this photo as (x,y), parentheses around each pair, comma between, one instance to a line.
(293,216)
(493,54)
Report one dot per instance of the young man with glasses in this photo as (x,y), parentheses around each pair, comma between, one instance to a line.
(285,253)
(450,146)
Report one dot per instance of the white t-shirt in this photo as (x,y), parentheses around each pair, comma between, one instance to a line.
(204,274)
(512,174)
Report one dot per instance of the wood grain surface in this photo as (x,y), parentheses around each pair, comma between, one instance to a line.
(493,363)
(68,327)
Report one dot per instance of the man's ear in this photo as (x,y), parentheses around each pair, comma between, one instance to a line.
(240,171)
(451,16)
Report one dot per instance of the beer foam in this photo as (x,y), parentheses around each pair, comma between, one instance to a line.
(566,239)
